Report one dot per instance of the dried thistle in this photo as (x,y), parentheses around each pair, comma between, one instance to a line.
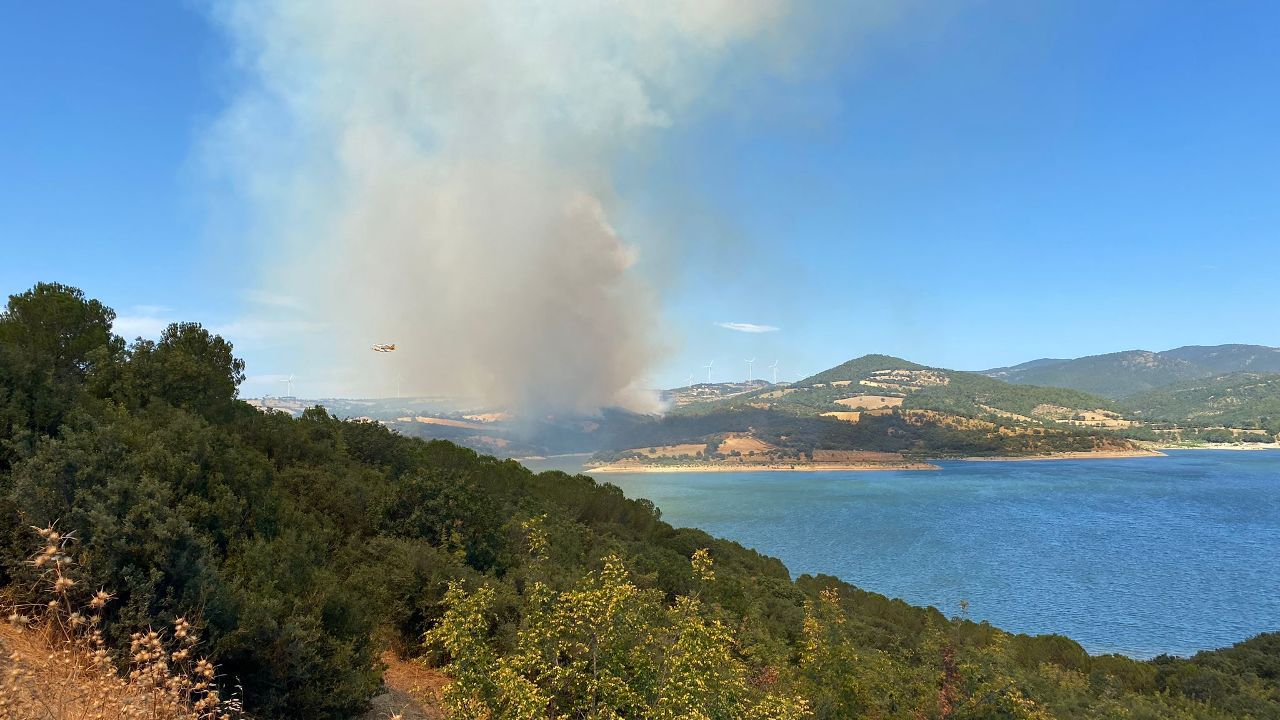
(60,667)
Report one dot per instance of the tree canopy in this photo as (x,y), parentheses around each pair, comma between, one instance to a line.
(301,548)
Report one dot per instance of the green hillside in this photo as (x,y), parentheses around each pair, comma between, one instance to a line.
(972,394)
(1246,399)
(1113,375)
(858,368)
(302,548)
(887,395)
(1226,359)
(1121,374)
(920,387)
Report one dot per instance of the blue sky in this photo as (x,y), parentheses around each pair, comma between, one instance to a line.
(968,188)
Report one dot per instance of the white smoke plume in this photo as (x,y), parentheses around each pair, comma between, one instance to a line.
(437,173)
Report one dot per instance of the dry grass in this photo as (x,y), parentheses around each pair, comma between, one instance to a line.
(1083,418)
(856,457)
(672,450)
(851,417)
(870,402)
(906,379)
(745,444)
(57,667)
(923,417)
(1006,414)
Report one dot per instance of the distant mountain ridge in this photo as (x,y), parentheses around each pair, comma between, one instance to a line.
(896,410)
(1122,374)
(877,382)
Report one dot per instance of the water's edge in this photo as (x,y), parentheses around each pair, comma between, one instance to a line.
(1141,556)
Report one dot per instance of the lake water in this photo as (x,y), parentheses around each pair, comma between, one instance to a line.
(1139,555)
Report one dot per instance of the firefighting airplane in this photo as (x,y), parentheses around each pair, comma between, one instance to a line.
(384,347)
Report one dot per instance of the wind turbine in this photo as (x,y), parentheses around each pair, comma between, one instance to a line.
(750,375)
(288,383)
(689,382)
(774,368)
(708,369)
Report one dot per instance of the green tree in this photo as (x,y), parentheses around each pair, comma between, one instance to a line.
(604,648)
(189,368)
(51,339)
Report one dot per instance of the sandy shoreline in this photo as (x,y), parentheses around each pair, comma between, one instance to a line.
(1251,447)
(756,467)
(1080,455)
(1155,451)
(860,467)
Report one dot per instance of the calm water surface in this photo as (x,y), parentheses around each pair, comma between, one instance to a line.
(1141,555)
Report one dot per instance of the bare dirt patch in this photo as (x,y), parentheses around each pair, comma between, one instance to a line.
(410,691)
(744,444)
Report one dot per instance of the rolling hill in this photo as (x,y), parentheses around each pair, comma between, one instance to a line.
(1229,358)
(1122,374)
(877,404)
(1242,399)
(880,382)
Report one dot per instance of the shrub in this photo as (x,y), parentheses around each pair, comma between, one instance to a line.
(59,666)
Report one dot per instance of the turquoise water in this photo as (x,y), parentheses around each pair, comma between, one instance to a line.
(1139,555)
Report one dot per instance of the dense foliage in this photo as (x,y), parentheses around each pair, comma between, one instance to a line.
(303,547)
(1242,400)
(858,368)
(1124,374)
(972,394)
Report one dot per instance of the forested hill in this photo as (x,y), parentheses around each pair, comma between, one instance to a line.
(874,382)
(1244,399)
(302,548)
(857,369)
(1121,374)
(880,403)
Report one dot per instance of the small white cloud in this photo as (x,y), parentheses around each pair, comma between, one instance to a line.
(150,310)
(146,321)
(748,327)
